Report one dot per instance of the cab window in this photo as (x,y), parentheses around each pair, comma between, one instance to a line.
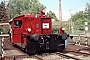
(17,24)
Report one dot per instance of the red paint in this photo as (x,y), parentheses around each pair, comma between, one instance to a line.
(61,31)
(37,23)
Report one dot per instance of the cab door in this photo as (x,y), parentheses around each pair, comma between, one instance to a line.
(16,31)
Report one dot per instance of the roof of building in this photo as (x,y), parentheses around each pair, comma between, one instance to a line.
(60,22)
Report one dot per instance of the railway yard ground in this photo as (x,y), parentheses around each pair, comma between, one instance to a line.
(72,52)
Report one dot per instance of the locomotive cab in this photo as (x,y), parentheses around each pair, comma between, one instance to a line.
(34,33)
(15,31)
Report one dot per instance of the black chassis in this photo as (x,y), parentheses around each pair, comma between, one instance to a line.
(50,42)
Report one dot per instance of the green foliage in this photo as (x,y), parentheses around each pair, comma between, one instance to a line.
(36,6)
(79,18)
(1,29)
(81,27)
(55,29)
(82,16)
(20,7)
(52,14)
(66,28)
(3,14)
(87,9)
(5,30)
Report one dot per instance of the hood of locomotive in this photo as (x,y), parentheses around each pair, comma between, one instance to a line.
(40,27)
(37,25)
(33,24)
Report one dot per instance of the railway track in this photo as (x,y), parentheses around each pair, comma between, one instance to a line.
(51,56)
(13,53)
(81,54)
(78,55)
(68,56)
(73,55)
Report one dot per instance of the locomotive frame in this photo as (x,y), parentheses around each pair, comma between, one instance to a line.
(34,33)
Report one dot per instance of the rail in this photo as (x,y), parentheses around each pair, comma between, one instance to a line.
(83,35)
(81,39)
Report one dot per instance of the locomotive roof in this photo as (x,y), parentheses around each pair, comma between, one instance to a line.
(26,15)
(29,15)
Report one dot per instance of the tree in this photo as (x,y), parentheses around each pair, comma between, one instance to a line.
(78,15)
(79,18)
(36,6)
(19,7)
(3,14)
(52,14)
(82,16)
(87,10)
(1,29)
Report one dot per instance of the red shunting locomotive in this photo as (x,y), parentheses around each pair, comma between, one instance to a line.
(34,33)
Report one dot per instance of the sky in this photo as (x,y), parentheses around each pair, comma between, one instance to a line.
(74,5)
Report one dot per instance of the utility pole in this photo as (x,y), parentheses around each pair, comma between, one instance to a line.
(71,23)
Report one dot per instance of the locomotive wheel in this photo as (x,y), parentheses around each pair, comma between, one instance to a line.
(64,36)
(35,37)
